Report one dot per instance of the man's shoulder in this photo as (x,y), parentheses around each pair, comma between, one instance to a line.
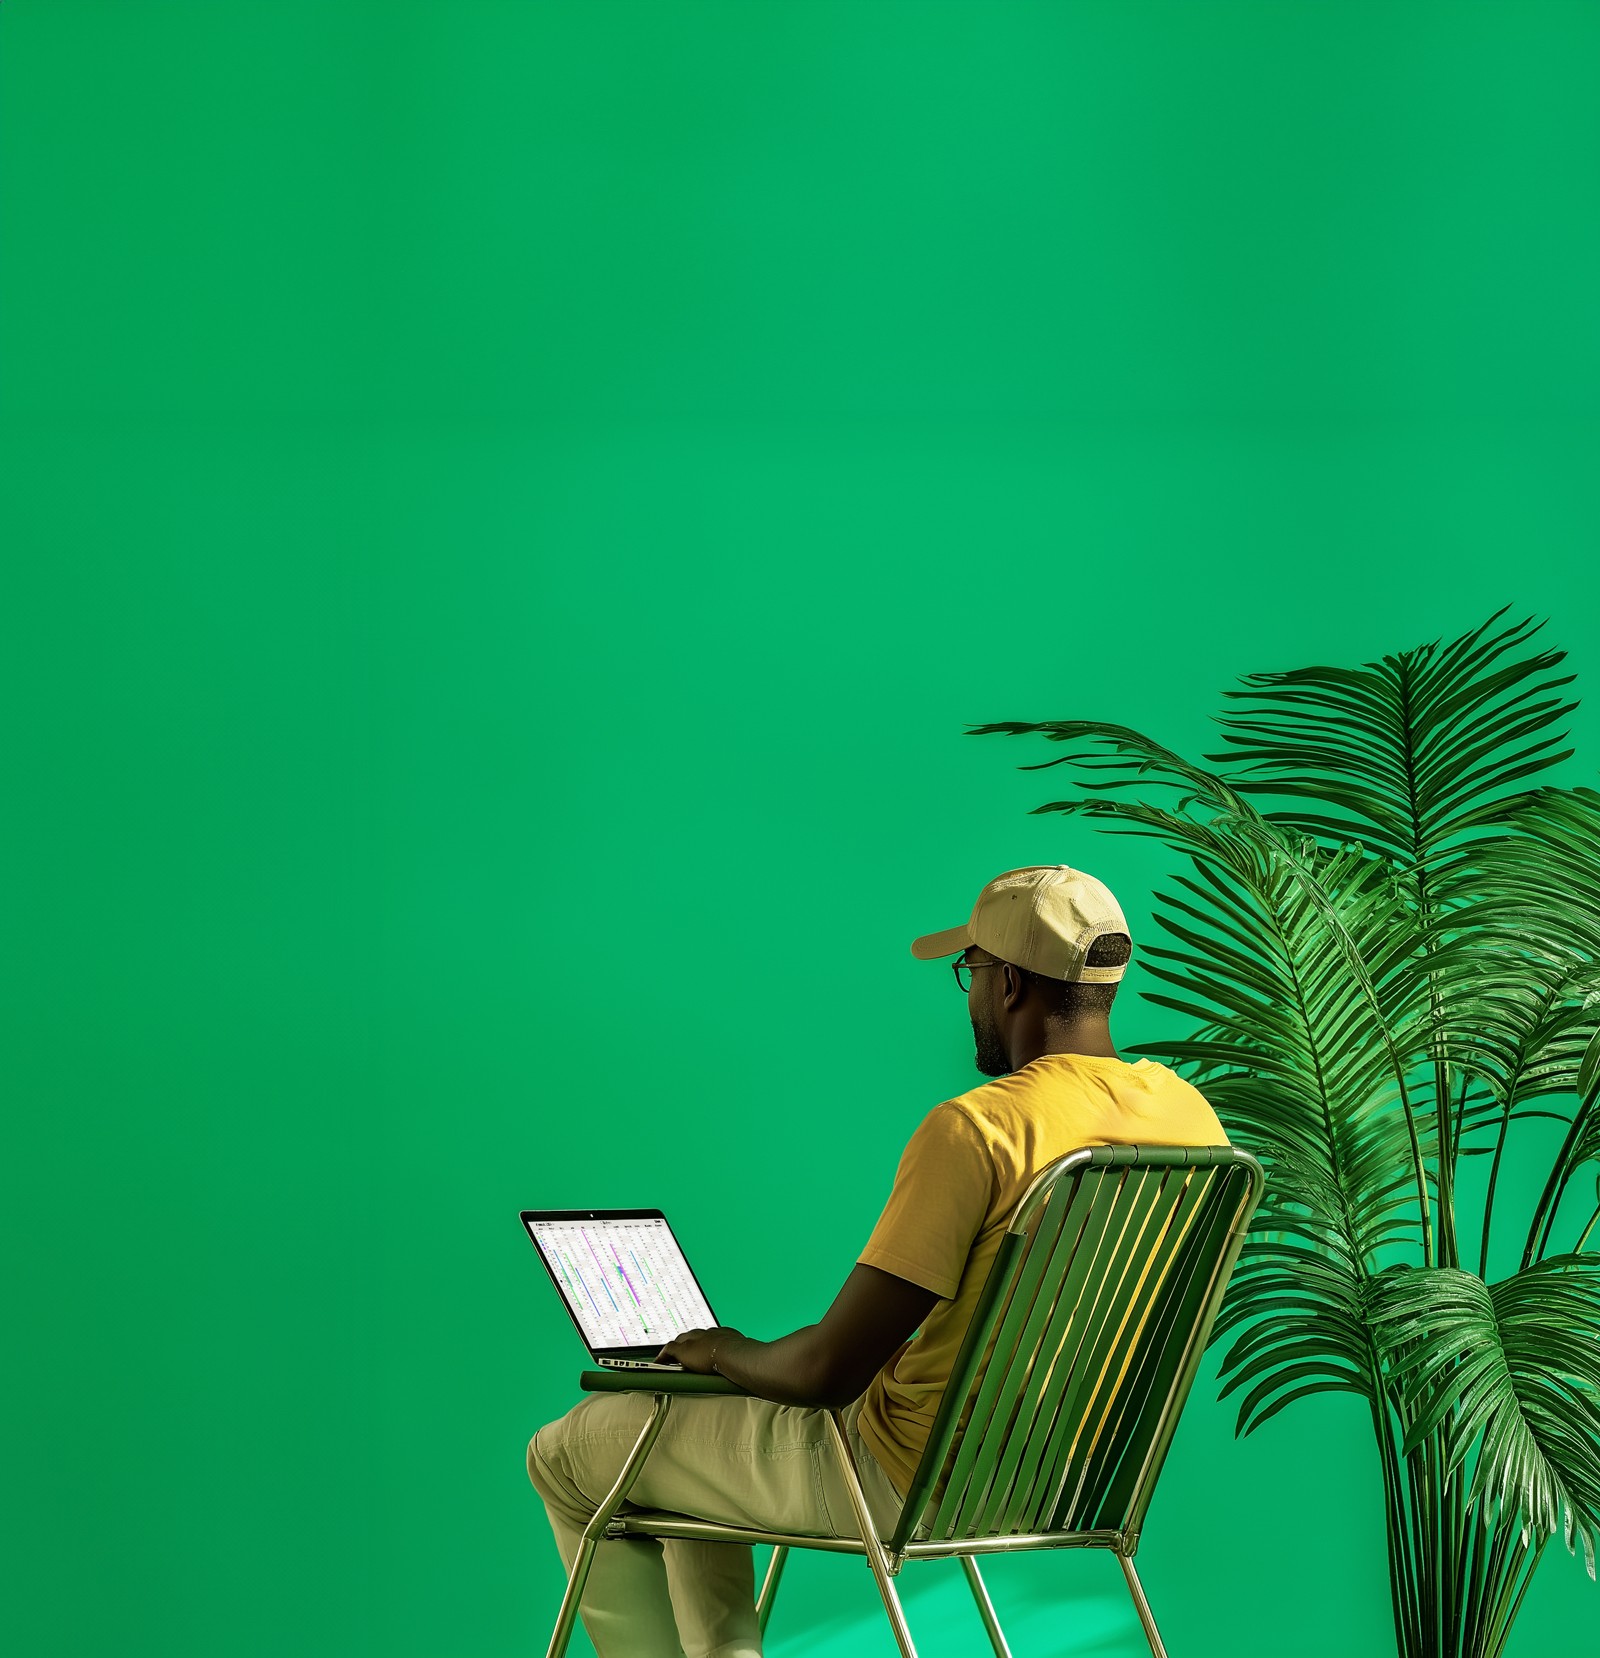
(993,1102)
(955,1117)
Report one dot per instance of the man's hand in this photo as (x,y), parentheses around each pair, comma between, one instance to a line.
(694,1348)
(825,1365)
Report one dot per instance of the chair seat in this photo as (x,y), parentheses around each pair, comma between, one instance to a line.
(650,1522)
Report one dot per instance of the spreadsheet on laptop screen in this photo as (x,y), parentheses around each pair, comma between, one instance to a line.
(626,1280)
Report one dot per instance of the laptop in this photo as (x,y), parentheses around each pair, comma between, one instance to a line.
(624,1280)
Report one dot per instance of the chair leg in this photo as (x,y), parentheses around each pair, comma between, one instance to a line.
(980,1593)
(595,1530)
(1146,1617)
(876,1557)
(769,1585)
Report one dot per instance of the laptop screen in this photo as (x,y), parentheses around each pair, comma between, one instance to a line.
(626,1281)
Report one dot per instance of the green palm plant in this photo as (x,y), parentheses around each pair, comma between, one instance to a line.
(1388,940)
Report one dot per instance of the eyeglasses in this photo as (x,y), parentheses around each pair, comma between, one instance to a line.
(968,967)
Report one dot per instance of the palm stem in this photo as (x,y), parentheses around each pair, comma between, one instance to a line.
(1513,1082)
(1425,1557)
(1544,1216)
(1502,1632)
(1460,1516)
(1474,1540)
(1447,1242)
(1493,1584)
(1438,1560)
(1523,1560)
(1453,1564)
(1358,970)
(1402,1570)
(1494,1175)
(1449,1255)
(1460,1112)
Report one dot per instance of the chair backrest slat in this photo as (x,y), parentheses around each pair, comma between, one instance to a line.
(1062,1401)
(1065,1214)
(1144,1264)
(1140,1365)
(1199,1282)
(1085,1320)
(1026,1326)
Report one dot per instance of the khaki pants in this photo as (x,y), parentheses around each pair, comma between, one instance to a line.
(738,1460)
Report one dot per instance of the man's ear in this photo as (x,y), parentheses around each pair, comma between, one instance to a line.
(1016,985)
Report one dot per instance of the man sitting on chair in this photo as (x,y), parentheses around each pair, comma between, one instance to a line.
(1039,962)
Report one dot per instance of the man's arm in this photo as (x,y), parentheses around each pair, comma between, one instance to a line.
(823,1365)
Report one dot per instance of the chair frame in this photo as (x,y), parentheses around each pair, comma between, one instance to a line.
(1224,1202)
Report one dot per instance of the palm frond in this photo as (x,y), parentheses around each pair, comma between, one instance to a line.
(1547,863)
(1407,754)
(1269,980)
(1124,751)
(1512,1369)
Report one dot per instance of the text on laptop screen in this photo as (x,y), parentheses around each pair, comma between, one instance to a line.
(626,1280)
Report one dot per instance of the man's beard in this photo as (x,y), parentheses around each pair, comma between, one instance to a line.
(991,1058)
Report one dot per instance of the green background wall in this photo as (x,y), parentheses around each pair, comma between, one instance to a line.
(508,510)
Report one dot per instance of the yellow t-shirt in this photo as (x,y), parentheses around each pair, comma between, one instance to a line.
(960,1178)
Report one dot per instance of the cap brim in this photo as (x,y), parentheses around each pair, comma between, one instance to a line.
(948,943)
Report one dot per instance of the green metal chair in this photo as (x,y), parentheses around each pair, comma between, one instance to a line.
(1064,1396)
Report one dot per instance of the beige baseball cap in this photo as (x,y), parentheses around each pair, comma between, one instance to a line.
(1044,918)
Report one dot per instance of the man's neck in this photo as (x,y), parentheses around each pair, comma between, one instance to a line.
(1084,1036)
